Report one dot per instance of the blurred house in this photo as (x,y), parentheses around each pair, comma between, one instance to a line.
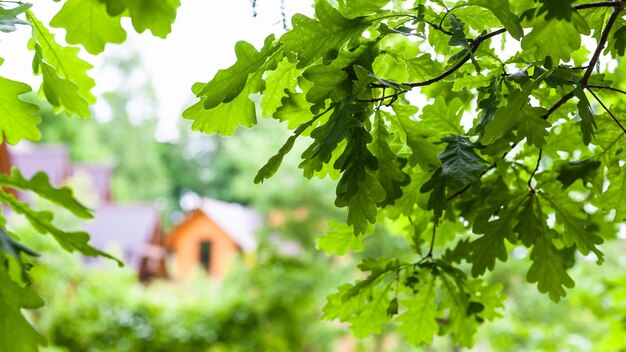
(54,160)
(135,228)
(211,236)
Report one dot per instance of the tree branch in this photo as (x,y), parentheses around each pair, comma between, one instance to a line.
(475,44)
(558,104)
(618,7)
(607,110)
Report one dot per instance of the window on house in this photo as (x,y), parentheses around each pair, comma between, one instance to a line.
(205,254)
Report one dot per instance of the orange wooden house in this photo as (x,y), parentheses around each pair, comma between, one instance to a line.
(211,236)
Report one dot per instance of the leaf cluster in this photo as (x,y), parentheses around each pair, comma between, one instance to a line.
(472,122)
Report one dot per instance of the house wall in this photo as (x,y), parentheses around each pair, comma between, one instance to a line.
(185,243)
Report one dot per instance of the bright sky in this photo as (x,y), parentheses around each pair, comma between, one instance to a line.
(202,41)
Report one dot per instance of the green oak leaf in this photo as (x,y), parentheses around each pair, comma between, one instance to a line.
(583,170)
(508,117)
(360,194)
(40,184)
(389,173)
(587,122)
(559,9)
(501,9)
(17,119)
(229,83)
(96,27)
(226,117)
(42,222)
(533,127)
(8,18)
(418,323)
(363,305)
(324,37)
(294,109)
(339,239)
(358,8)
(154,15)
(272,165)
(328,82)
(417,136)
(459,162)
(278,84)
(577,228)
(16,333)
(548,269)
(619,42)
(62,92)
(456,304)
(443,116)
(613,197)
(531,225)
(12,247)
(64,72)
(460,166)
(345,117)
(484,250)
(554,37)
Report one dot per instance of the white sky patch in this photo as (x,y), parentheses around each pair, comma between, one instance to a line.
(202,41)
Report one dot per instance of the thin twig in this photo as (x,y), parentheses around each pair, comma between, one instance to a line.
(564,99)
(607,88)
(530,179)
(607,110)
(618,7)
(595,5)
(475,44)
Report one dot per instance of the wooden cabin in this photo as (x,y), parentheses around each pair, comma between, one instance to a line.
(211,236)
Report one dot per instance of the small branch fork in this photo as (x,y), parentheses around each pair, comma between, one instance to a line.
(475,44)
(618,7)
(607,110)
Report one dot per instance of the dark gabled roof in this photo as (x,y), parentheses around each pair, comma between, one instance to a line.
(129,226)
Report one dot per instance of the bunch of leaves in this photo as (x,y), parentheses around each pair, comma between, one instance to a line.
(16,257)
(67,86)
(384,93)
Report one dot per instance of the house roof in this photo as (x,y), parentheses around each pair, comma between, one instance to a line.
(51,159)
(239,222)
(129,226)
